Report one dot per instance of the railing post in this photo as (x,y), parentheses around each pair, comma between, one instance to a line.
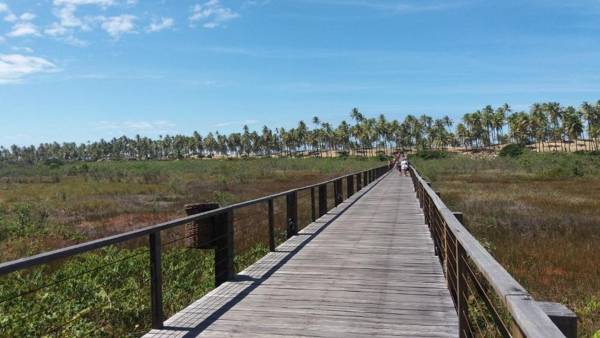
(271,225)
(358,182)
(337,192)
(156,304)
(350,185)
(366,178)
(322,199)
(461,292)
(292,214)
(313,211)
(224,254)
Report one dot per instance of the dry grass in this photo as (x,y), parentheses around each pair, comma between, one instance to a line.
(42,208)
(545,230)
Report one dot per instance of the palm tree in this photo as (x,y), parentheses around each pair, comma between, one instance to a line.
(573,127)
(554,112)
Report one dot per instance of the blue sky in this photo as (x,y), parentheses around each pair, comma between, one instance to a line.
(78,70)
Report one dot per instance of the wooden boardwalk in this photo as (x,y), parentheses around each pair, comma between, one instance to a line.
(365,269)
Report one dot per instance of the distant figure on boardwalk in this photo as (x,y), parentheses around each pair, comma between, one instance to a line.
(404,167)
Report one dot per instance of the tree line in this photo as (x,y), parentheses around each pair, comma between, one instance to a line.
(549,126)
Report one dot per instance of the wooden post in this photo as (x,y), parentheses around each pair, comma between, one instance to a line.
(335,193)
(313,211)
(358,182)
(338,193)
(271,225)
(461,292)
(322,199)
(562,317)
(459,216)
(292,214)
(366,178)
(350,185)
(200,233)
(156,303)
(224,254)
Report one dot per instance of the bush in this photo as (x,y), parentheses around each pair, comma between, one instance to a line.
(431,154)
(512,150)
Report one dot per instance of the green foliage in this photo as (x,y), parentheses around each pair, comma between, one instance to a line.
(538,215)
(105,293)
(431,154)
(512,150)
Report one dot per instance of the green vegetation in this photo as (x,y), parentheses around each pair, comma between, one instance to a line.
(106,292)
(47,206)
(512,150)
(538,214)
(547,126)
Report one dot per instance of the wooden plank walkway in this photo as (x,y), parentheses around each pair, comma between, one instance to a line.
(366,269)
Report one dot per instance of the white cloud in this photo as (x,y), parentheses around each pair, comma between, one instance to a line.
(56,30)
(21,29)
(67,17)
(27,16)
(9,15)
(22,49)
(212,14)
(117,25)
(398,7)
(236,123)
(15,67)
(104,3)
(157,26)
(126,127)
(69,22)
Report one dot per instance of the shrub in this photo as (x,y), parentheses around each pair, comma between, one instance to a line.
(431,154)
(512,150)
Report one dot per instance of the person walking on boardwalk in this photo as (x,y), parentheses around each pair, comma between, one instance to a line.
(404,167)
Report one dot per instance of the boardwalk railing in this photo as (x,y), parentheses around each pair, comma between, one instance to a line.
(488,300)
(221,221)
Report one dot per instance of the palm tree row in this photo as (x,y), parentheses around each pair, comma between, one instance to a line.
(547,125)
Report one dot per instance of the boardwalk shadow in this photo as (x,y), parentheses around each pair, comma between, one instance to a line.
(304,239)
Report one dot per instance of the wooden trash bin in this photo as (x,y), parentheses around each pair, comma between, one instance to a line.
(200,234)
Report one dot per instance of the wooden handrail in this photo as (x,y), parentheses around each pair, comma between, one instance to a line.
(46,257)
(530,319)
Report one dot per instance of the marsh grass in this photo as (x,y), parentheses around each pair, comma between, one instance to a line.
(91,200)
(106,292)
(539,215)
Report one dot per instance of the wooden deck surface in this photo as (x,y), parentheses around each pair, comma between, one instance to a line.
(366,269)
